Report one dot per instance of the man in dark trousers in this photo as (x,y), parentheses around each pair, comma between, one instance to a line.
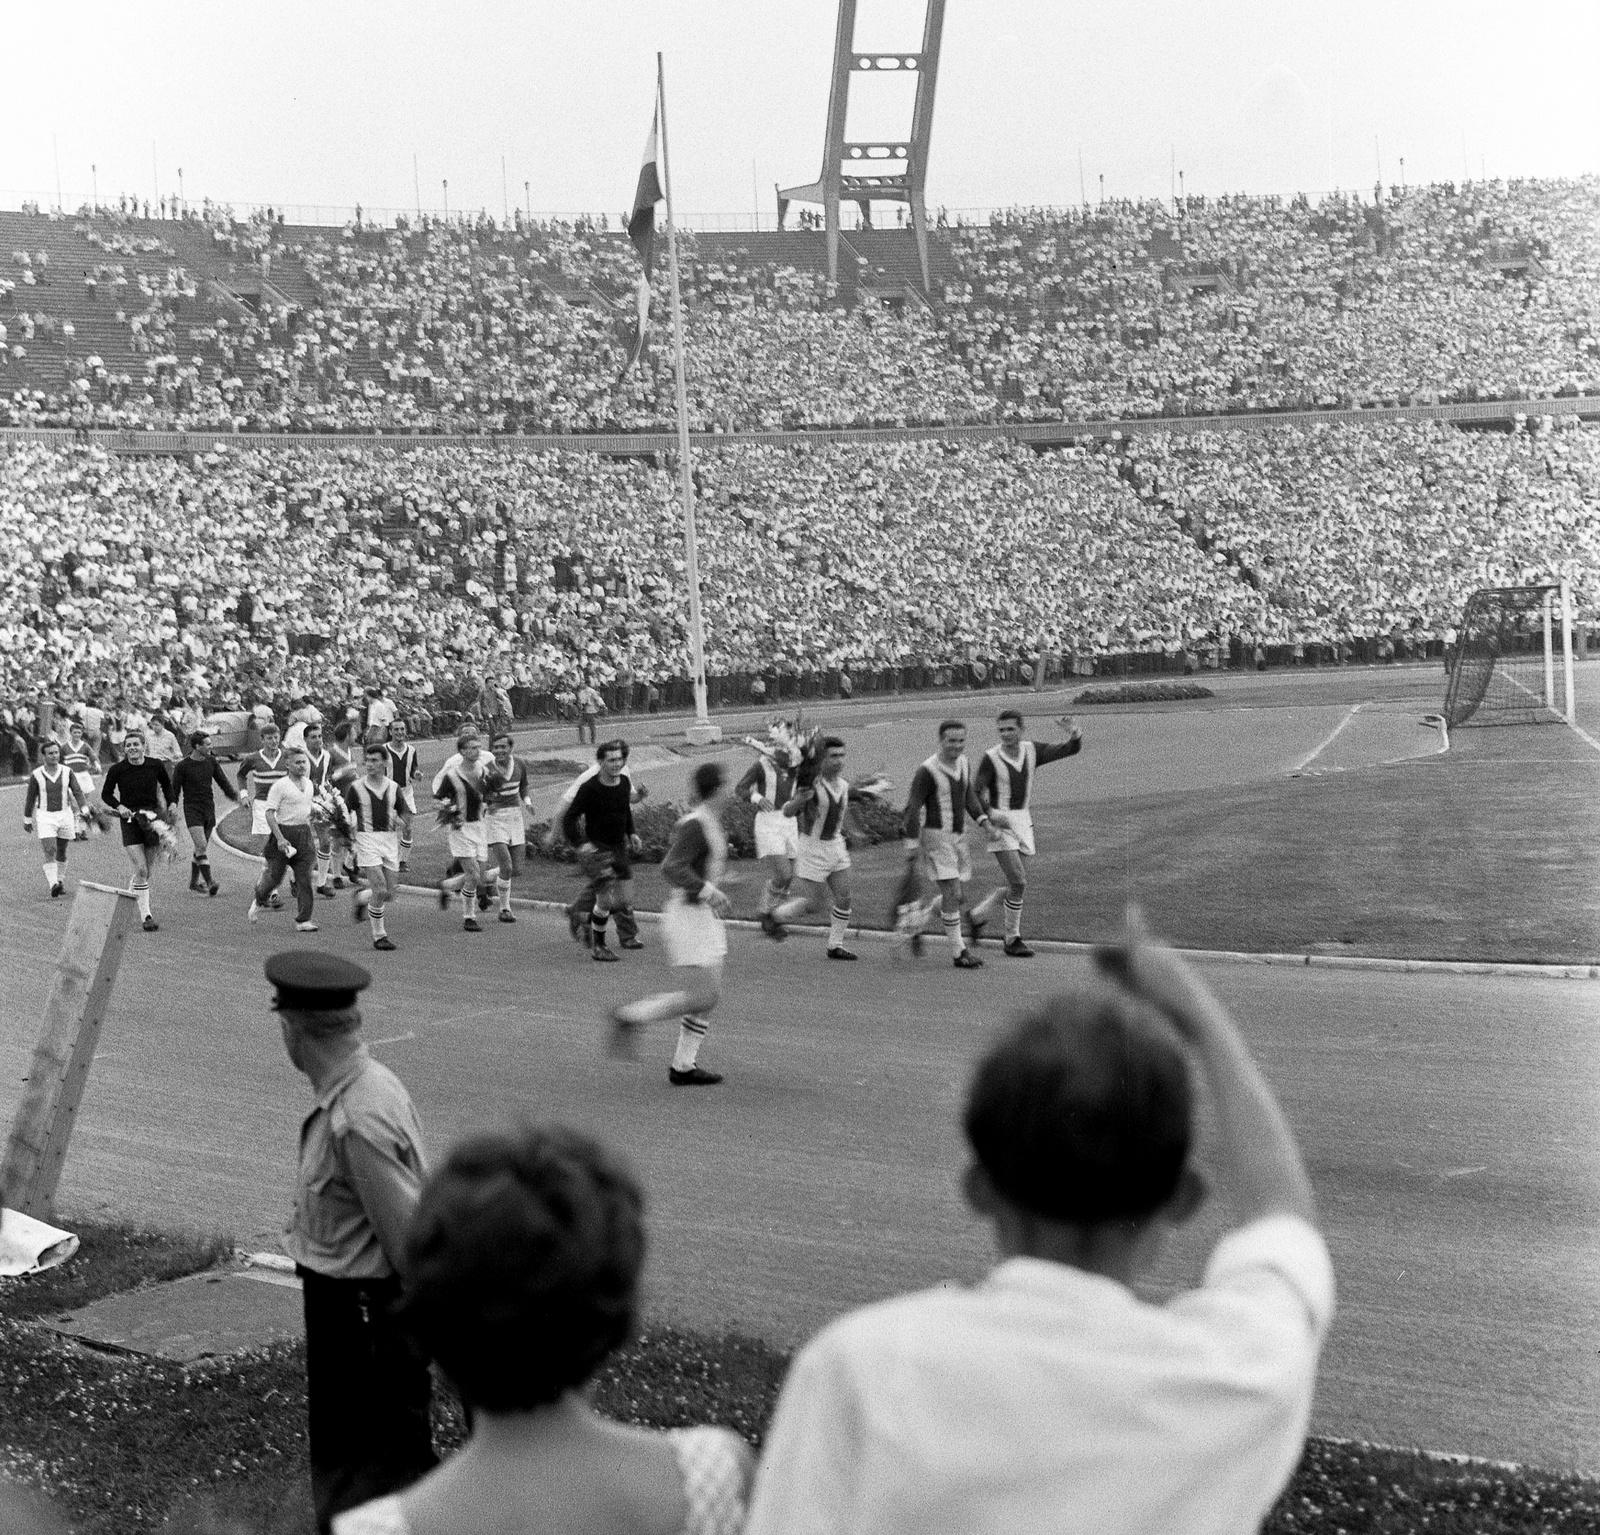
(361,1169)
(607,845)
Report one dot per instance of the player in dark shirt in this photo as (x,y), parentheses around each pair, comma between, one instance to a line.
(138,789)
(193,780)
(603,806)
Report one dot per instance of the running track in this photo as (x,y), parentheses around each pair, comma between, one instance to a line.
(1449,1122)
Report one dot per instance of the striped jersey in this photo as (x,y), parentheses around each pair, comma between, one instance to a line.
(373,809)
(767,778)
(941,797)
(504,788)
(460,785)
(1007,782)
(823,819)
(54,792)
(262,772)
(327,769)
(403,766)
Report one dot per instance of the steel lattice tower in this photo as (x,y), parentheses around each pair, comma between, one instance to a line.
(873,171)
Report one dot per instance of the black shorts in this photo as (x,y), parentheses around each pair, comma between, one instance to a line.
(605,864)
(134,833)
(209,822)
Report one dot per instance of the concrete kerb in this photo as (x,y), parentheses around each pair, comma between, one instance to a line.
(1577,972)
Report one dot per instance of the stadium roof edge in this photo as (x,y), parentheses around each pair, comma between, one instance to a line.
(1040,434)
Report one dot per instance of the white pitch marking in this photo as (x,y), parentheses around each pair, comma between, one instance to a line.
(394,1039)
(1331,737)
(1462,1172)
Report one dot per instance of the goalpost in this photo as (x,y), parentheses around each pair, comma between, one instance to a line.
(1503,670)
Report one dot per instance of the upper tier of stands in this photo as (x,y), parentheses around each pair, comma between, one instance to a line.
(1491,290)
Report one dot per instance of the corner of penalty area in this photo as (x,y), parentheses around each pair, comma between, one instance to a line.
(98,925)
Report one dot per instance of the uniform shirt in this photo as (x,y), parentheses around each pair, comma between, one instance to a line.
(403,765)
(373,809)
(291,802)
(697,855)
(458,784)
(606,811)
(767,778)
(327,768)
(76,759)
(505,788)
(1050,1399)
(260,772)
(135,787)
(570,793)
(53,792)
(941,798)
(192,782)
(361,1169)
(1006,782)
(822,819)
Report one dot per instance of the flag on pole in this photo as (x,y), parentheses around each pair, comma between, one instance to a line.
(642,231)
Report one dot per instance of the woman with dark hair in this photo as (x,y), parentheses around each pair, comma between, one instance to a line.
(522,1275)
(691,929)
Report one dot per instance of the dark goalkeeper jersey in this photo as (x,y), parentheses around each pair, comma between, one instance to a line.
(606,811)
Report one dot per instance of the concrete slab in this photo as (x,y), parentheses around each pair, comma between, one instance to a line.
(198,1317)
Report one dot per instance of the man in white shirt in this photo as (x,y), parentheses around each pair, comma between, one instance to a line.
(1050,1397)
(289,841)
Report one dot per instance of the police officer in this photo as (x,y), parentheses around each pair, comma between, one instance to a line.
(361,1169)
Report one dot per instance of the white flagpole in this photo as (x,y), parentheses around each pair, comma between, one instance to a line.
(702,730)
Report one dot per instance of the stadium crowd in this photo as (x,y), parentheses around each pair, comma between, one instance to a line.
(1436,293)
(467,580)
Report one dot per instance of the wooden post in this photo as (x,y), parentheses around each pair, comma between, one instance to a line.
(90,953)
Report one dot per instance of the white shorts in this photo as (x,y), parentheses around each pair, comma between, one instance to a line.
(87,786)
(692,932)
(777,835)
(506,826)
(1016,838)
(817,860)
(377,850)
(258,818)
(55,823)
(946,854)
(469,840)
(407,799)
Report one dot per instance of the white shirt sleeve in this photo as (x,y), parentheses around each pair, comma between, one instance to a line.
(806,1481)
(1280,1251)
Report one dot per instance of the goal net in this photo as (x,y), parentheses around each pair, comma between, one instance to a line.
(1506,668)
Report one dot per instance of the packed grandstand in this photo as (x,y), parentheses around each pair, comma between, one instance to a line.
(270,569)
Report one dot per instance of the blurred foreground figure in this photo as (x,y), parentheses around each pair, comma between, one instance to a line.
(522,1276)
(1051,1397)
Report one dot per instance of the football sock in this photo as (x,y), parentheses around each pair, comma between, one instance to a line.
(205,870)
(141,893)
(469,894)
(837,927)
(375,917)
(952,931)
(405,843)
(50,876)
(691,1031)
(1013,918)
(324,870)
(597,926)
(503,889)
(61,850)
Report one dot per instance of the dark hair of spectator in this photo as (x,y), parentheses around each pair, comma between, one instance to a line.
(198,738)
(1009,714)
(829,743)
(1083,1111)
(945,725)
(523,1263)
(605,749)
(707,779)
